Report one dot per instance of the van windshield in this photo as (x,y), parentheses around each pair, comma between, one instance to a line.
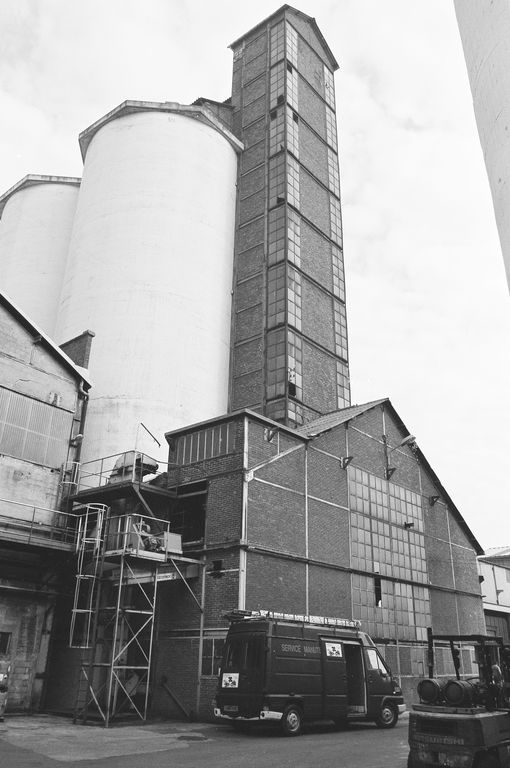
(243,653)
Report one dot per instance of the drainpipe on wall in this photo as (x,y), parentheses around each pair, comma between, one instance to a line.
(83,395)
(241,600)
(201,638)
(307,565)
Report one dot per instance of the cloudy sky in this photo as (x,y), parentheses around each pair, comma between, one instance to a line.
(428,306)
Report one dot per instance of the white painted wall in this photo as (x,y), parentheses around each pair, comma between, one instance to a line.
(34,237)
(485,32)
(495,586)
(150,272)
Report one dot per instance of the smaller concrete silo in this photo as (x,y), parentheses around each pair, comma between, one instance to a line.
(36,218)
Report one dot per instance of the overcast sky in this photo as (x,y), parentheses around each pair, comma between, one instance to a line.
(427,301)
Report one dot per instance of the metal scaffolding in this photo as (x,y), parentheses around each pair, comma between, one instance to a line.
(121,558)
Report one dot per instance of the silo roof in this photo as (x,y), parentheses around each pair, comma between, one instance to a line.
(131,107)
(32,180)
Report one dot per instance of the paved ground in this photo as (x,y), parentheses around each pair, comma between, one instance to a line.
(41,741)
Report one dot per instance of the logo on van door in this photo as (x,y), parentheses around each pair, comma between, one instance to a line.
(334,649)
(230,680)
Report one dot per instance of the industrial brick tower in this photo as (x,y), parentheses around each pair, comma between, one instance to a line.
(289,337)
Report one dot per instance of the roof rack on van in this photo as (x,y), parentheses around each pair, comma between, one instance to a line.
(240,615)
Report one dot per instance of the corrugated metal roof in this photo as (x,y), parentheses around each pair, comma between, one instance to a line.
(495,552)
(334,419)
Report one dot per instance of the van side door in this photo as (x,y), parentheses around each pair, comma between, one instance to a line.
(379,682)
(334,678)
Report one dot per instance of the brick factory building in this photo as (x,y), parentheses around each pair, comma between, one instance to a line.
(281,495)
(336,518)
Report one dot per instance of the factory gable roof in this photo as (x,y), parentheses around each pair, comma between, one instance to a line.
(334,419)
(299,15)
(44,340)
(322,424)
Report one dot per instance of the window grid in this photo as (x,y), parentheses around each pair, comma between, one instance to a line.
(212,654)
(292,182)
(206,444)
(276,131)
(391,549)
(404,605)
(276,180)
(277,37)
(342,385)
(293,132)
(292,43)
(294,237)
(276,296)
(295,363)
(32,430)
(277,85)
(405,506)
(276,365)
(338,273)
(336,219)
(333,173)
(331,136)
(340,328)
(292,86)
(294,297)
(295,413)
(329,87)
(276,235)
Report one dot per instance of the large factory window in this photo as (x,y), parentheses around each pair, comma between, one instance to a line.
(380,541)
(32,430)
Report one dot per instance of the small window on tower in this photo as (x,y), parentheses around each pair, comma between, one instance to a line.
(5,642)
(378,591)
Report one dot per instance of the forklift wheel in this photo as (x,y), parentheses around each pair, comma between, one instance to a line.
(387,717)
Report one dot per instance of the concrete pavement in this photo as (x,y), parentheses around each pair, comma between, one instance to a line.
(58,739)
(46,741)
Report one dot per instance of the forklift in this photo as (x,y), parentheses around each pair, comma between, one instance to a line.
(463,722)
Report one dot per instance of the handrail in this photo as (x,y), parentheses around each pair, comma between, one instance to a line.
(29,522)
(129,466)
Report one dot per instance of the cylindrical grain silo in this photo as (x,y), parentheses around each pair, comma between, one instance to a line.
(485,32)
(35,226)
(150,272)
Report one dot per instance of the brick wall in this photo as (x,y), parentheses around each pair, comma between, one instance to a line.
(275,583)
(330,592)
(24,618)
(328,537)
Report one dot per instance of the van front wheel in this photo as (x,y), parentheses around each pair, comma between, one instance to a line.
(387,717)
(292,721)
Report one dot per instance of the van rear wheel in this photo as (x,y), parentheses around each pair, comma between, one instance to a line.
(387,717)
(292,721)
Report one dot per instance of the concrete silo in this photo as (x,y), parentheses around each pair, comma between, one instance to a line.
(35,226)
(150,271)
(485,33)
